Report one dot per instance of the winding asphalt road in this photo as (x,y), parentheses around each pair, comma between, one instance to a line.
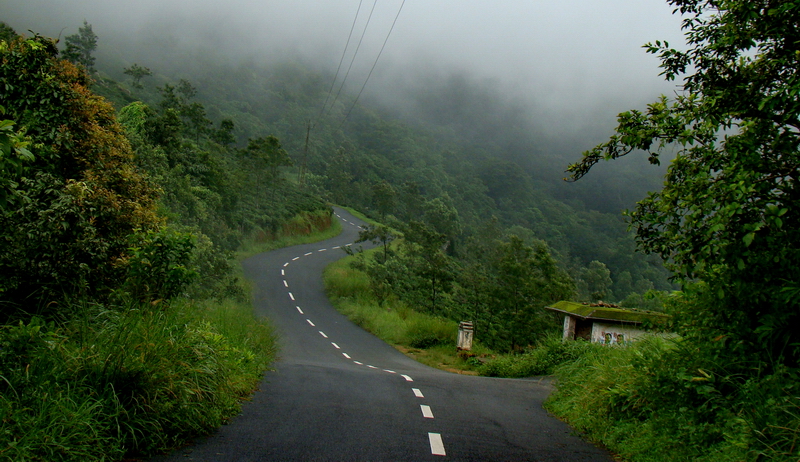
(339,393)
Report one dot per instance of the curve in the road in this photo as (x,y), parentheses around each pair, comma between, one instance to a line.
(340,393)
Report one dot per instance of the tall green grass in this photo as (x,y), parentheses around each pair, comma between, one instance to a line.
(664,400)
(134,380)
(256,245)
(542,359)
(391,320)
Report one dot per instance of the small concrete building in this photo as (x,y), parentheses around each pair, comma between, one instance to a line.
(604,323)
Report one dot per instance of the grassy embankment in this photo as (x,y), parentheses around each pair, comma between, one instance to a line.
(654,401)
(131,379)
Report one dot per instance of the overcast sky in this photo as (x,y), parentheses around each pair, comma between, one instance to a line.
(577,57)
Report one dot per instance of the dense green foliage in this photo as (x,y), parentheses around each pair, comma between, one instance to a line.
(126,329)
(726,223)
(501,285)
(72,203)
(390,166)
(727,216)
(659,400)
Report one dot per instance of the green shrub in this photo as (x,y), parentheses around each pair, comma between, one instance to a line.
(539,360)
(668,400)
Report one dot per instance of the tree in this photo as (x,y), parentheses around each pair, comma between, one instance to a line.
(595,280)
(526,279)
(727,220)
(269,156)
(224,135)
(79,198)
(7,33)
(137,72)
(80,47)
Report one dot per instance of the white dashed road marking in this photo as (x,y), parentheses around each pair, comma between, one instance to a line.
(285,284)
(426,411)
(307,254)
(323,334)
(298,309)
(336,346)
(309,321)
(295,258)
(291,296)
(359,363)
(408,379)
(417,393)
(437,447)
(346,355)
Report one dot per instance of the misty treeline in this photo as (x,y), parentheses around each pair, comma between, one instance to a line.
(485,238)
(456,142)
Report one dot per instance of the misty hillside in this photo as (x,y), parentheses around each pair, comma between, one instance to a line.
(453,139)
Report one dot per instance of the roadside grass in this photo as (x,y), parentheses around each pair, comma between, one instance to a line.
(429,339)
(133,380)
(660,399)
(257,244)
(128,380)
(541,359)
(664,400)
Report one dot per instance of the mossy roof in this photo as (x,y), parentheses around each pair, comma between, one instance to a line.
(603,313)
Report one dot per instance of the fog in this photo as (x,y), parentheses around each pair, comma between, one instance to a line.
(581,59)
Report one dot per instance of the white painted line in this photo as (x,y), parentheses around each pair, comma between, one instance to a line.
(298,309)
(307,254)
(336,346)
(408,379)
(295,258)
(321,250)
(286,264)
(346,355)
(359,363)
(426,411)
(437,447)
(309,321)
(291,296)
(417,393)
(283,272)
(285,284)
(323,334)
(337,247)
(371,366)
(391,372)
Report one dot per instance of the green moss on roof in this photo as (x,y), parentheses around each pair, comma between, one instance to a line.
(602,313)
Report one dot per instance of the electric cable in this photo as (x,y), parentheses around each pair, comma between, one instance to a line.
(341,60)
(363,33)
(373,64)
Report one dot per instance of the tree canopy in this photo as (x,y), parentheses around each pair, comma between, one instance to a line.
(726,220)
(74,197)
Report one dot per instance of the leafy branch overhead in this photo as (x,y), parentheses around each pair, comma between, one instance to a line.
(727,215)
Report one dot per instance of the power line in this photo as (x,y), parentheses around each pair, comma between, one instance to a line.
(363,33)
(341,60)
(373,64)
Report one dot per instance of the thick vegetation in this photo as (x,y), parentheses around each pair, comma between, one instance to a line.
(726,223)
(126,330)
